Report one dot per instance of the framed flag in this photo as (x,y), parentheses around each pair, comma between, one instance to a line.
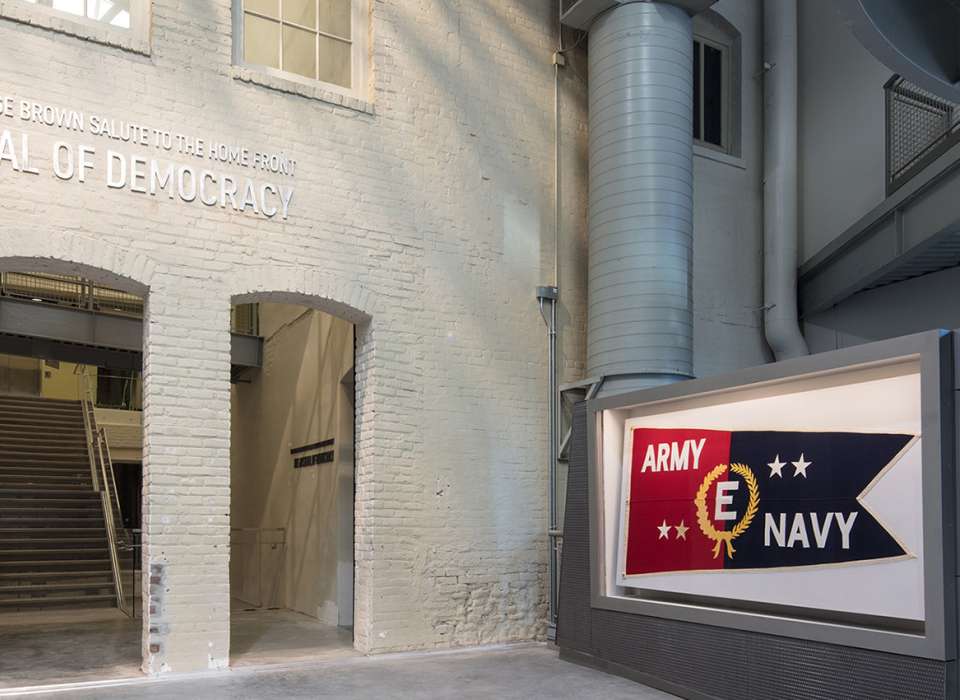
(811,498)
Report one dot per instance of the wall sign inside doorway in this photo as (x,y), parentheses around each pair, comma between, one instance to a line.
(313,454)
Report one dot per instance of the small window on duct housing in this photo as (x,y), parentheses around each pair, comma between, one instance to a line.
(305,40)
(716,83)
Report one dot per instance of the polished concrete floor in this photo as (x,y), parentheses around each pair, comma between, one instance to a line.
(519,672)
(69,646)
(282,636)
(58,646)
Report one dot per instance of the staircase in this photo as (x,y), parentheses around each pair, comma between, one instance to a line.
(54,550)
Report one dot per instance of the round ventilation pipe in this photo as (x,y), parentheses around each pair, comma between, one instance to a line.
(640,318)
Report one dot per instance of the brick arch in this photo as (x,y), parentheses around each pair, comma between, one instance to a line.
(62,252)
(317,289)
(351,301)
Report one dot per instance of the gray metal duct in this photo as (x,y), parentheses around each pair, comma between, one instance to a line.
(640,319)
(780,320)
(917,39)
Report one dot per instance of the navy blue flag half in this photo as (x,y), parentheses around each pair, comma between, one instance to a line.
(722,500)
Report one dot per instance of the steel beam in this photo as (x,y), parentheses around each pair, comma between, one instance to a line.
(913,232)
(51,332)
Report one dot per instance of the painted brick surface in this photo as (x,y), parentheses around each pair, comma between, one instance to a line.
(424,215)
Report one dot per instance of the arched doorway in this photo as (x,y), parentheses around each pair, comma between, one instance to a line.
(71,444)
(292,481)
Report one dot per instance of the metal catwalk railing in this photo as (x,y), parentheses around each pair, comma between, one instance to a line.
(104,482)
(69,290)
(81,293)
(919,128)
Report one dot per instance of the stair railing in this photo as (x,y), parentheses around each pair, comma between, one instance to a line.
(105,484)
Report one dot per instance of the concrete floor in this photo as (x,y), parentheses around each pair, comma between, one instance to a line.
(69,646)
(519,672)
(260,637)
(54,646)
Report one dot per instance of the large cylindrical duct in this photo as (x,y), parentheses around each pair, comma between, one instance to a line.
(640,319)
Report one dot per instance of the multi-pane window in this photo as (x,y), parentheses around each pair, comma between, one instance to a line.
(115,13)
(310,38)
(711,113)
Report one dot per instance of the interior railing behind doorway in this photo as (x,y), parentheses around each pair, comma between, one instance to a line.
(104,482)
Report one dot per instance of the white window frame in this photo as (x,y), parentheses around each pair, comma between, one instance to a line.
(136,38)
(714,31)
(359,57)
(724,50)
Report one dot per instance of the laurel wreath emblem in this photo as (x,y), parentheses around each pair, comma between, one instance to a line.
(703,519)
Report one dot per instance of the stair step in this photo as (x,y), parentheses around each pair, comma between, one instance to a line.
(61,601)
(79,575)
(74,416)
(68,479)
(21,398)
(40,404)
(39,419)
(89,518)
(39,589)
(73,484)
(25,427)
(44,532)
(75,481)
(41,445)
(33,424)
(53,565)
(28,458)
(61,517)
(45,461)
(51,467)
(52,554)
(38,543)
(30,493)
(17,437)
(46,468)
(14,503)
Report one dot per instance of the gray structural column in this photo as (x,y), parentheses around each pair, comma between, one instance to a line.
(640,321)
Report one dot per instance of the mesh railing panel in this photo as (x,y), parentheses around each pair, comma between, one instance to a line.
(920,126)
(68,290)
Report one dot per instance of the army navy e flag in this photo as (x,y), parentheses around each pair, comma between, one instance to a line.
(710,500)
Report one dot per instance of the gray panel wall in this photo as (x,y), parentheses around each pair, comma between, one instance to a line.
(898,309)
(841,126)
(699,661)
(728,224)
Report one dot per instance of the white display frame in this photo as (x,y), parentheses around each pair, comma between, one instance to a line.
(935,635)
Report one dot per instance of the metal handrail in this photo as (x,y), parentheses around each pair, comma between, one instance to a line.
(105,485)
(88,431)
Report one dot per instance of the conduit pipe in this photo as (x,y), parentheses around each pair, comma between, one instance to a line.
(640,318)
(780,320)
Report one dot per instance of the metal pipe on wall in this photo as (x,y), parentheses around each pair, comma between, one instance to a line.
(640,318)
(781,323)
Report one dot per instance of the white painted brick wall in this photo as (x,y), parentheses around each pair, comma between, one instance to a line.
(428,222)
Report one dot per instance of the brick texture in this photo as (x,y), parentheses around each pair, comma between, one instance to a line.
(423,215)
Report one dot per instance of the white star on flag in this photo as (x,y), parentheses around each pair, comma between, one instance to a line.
(664,530)
(801,466)
(681,531)
(776,467)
